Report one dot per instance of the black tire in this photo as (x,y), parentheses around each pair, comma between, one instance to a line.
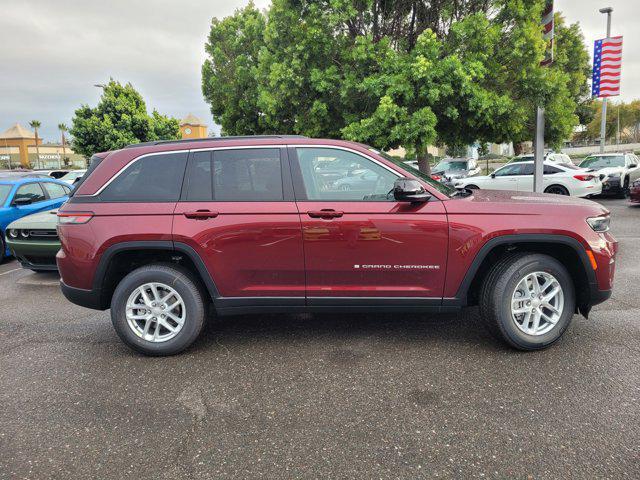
(36,270)
(2,249)
(497,291)
(182,282)
(472,187)
(556,190)
(624,193)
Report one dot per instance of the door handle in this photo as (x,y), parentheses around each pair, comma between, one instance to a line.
(201,214)
(327,213)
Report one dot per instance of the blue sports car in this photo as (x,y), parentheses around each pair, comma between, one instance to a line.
(21,196)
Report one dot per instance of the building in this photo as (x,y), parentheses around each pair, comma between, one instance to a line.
(18,149)
(192,127)
(20,139)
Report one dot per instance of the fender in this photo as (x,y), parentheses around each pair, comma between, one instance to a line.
(461,295)
(107,255)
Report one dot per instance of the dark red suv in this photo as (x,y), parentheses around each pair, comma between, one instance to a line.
(160,231)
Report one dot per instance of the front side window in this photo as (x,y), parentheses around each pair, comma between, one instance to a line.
(244,175)
(512,169)
(31,191)
(55,190)
(339,175)
(155,178)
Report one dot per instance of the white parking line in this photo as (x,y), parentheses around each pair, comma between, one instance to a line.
(9,271)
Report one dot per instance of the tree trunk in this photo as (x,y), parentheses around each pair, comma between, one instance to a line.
(423,162)
(64,153)
(518,148)
(37,150)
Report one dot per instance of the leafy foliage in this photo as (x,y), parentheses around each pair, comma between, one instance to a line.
(119,119)
(405,73)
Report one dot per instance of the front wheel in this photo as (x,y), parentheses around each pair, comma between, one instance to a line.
(473,187)
(557,190)
(158,310)
(528,300)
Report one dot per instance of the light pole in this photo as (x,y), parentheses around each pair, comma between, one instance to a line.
(603,120)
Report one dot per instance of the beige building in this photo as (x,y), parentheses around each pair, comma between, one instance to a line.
(192,127)
(18,149)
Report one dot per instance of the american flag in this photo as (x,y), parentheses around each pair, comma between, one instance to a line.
(607,65)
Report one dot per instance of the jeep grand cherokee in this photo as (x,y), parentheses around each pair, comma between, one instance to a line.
(158,232)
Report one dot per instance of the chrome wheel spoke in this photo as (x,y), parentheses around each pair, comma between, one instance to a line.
(148,315)
(537,303)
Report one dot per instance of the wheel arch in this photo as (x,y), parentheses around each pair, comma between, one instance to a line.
(121,258)
(569,251)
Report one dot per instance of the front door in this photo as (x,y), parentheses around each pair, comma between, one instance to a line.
(238,213)
(358,241)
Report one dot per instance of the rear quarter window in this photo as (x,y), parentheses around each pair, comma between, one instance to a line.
(153,178)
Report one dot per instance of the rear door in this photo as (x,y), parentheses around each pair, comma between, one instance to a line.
(360,245)
(238,213)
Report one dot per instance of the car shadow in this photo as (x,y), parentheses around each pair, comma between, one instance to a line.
(462,328)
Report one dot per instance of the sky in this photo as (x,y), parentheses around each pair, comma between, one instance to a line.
(53,53)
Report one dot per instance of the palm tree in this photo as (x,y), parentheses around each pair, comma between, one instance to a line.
(63,128)
(35,124)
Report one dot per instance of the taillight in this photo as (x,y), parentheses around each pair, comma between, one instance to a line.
(584,178)
(437,178)
(72,218)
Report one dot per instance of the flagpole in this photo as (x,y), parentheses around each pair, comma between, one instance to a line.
(603,120)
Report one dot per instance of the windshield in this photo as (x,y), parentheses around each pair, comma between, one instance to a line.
(446,165)
(4,192)
(449,191)
(603,161)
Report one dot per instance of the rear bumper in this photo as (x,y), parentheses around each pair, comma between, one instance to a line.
(84,298)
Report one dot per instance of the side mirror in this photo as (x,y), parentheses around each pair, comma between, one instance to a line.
(410,190)
(633,165)
(493,175)
(18,202)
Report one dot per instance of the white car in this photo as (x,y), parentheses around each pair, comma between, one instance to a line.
(550,157)
(617,171)
(560,179)
(73,176)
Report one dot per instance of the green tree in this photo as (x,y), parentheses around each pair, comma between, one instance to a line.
(230,73)
(119,119)
(410,73)
(35,124)
(63,128)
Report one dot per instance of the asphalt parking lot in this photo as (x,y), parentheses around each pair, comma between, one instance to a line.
(358,396)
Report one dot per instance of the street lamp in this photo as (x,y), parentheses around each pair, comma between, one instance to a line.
(603,120)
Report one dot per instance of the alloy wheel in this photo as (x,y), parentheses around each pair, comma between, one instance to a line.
(537,303)
(155,312)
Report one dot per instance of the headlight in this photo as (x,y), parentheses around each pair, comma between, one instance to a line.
(599,224)
(24,233)
(13,233)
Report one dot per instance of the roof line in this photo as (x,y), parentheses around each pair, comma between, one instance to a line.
(212,139)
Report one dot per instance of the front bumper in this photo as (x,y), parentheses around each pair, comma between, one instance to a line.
(612,186)
(35,254)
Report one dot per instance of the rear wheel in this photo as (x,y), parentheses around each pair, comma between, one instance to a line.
(528,300)
(556,190)
(158,310)
(2,249)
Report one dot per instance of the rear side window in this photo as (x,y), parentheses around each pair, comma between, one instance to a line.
(155,178)
(32,191)
(55,191)
(244,175)
(549,170)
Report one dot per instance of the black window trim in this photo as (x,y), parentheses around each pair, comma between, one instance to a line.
(299,188)
(287,181)
(97,197)
(39,183)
